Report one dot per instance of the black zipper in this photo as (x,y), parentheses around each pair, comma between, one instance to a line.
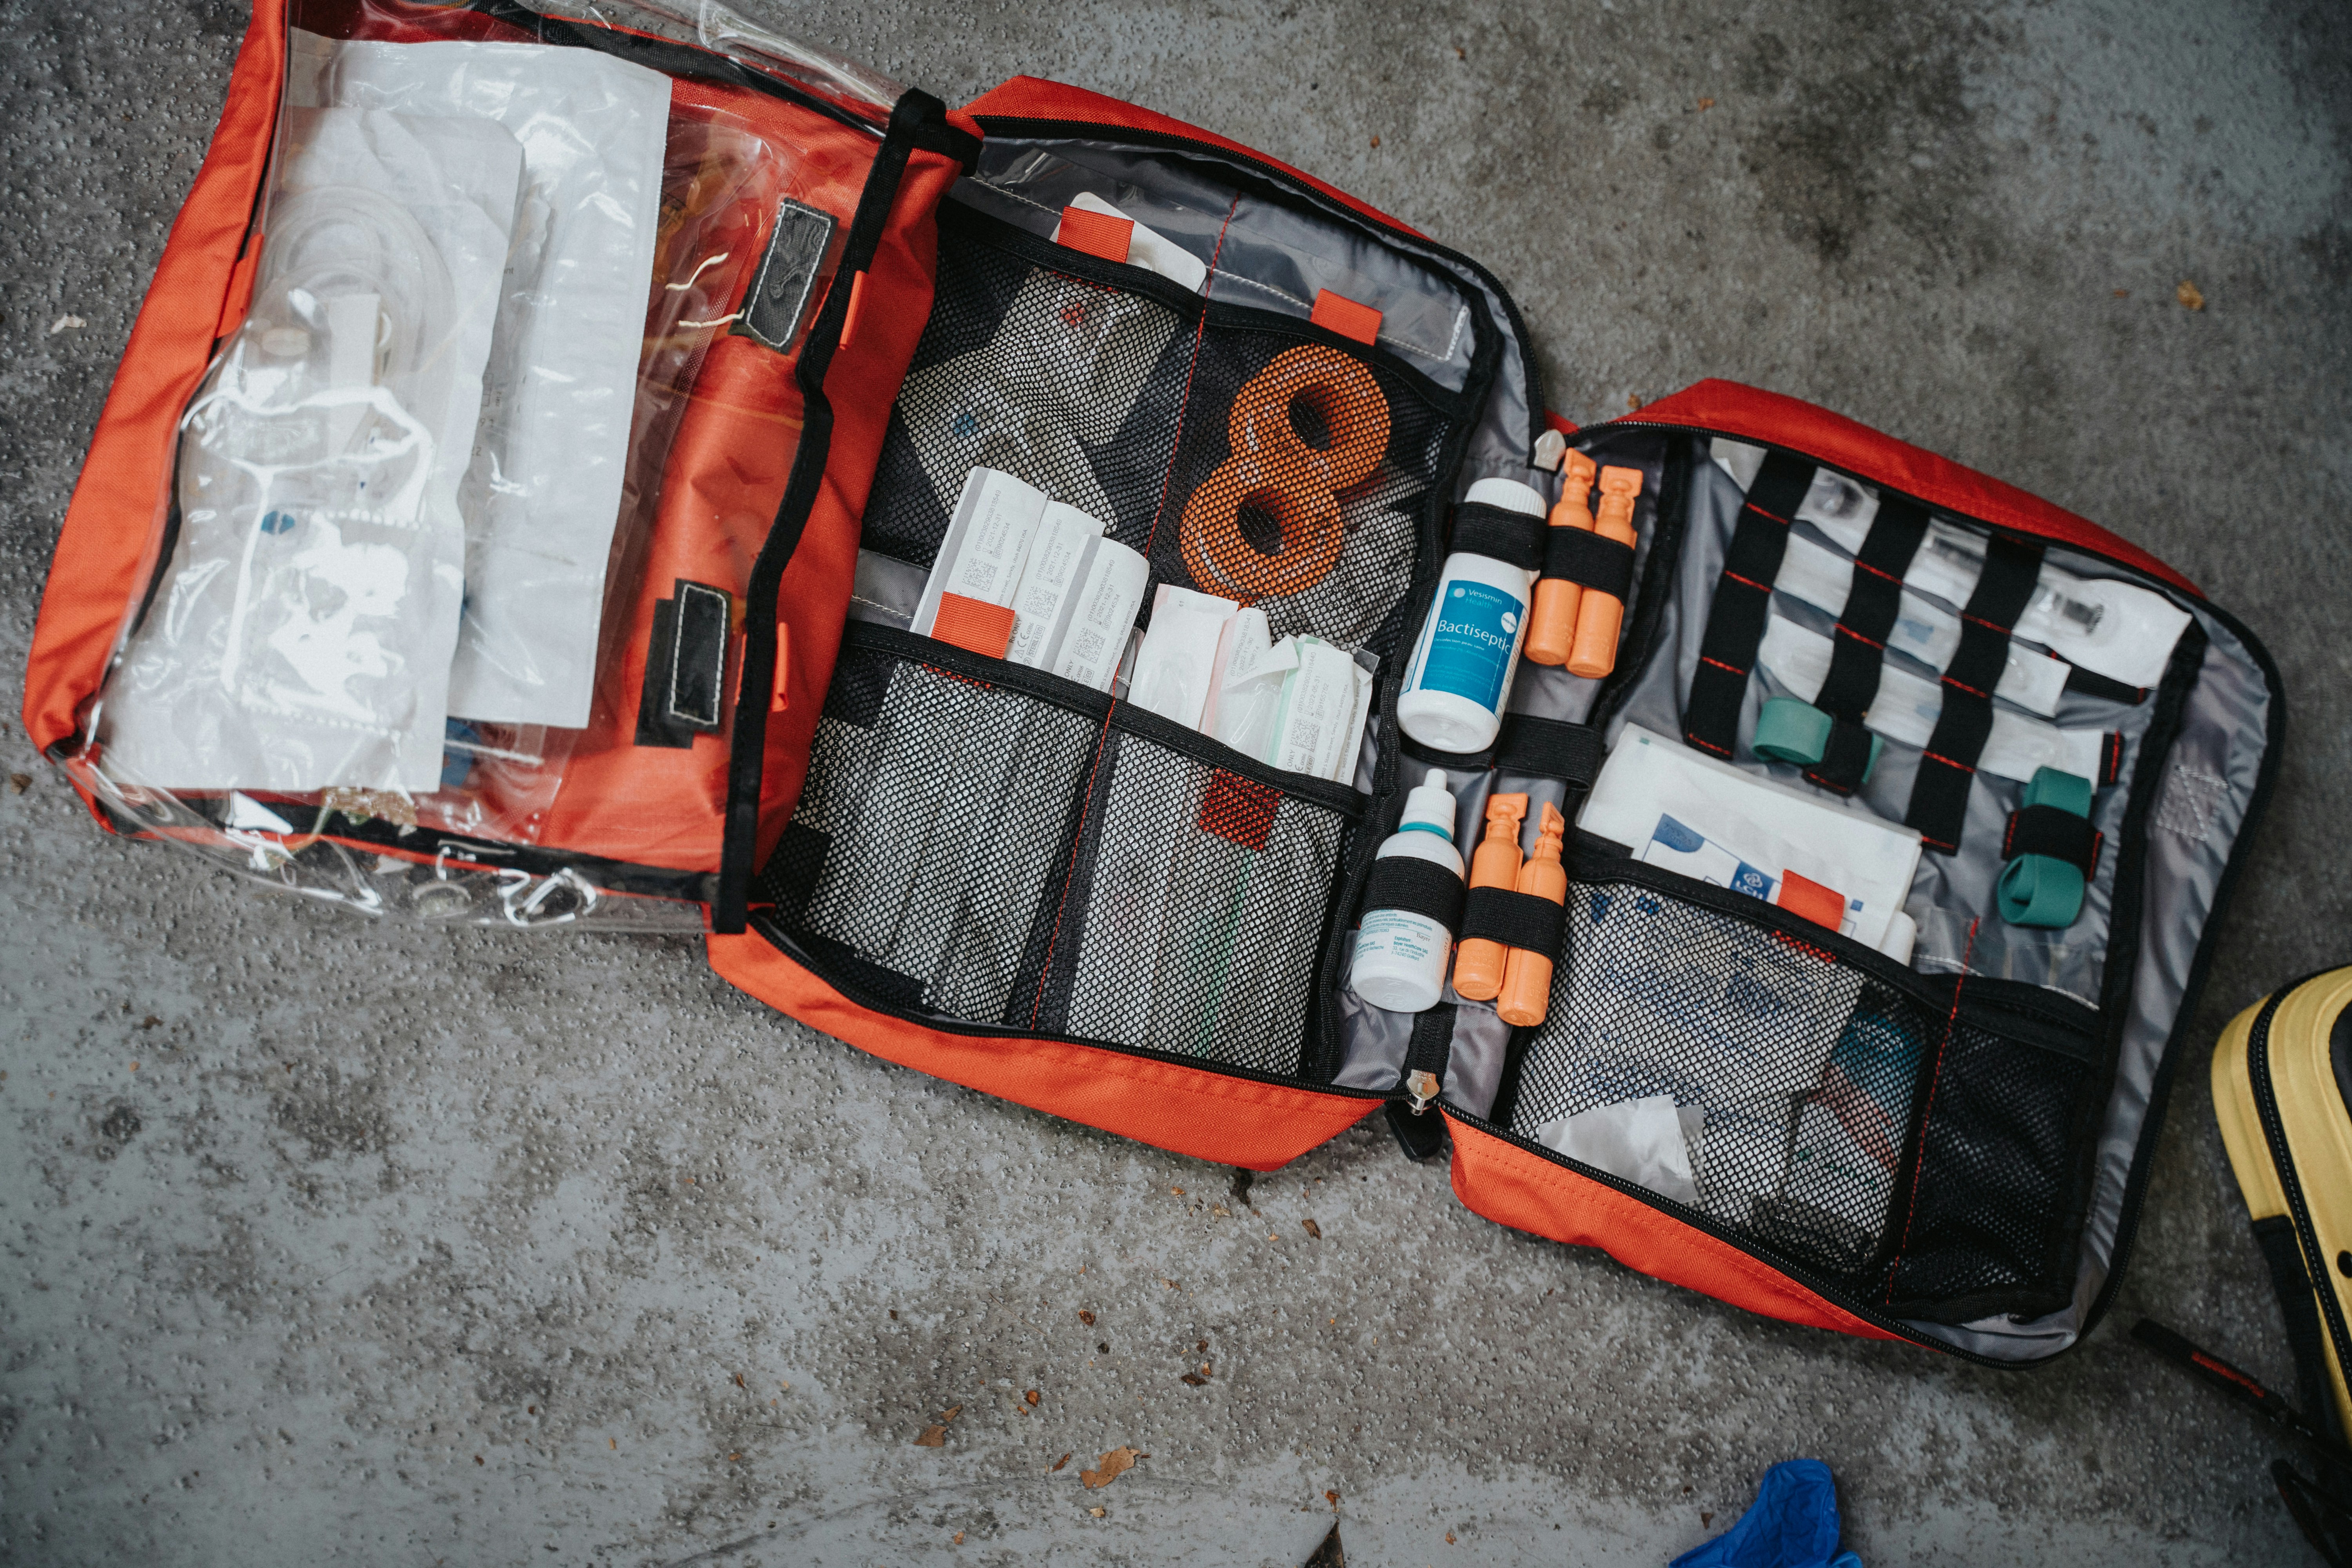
(1100,708)
(1531,375)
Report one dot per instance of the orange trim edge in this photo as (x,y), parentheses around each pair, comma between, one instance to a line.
(1186,1110)
(1527,1191)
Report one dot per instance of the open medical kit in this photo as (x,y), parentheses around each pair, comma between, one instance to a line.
(1081,608)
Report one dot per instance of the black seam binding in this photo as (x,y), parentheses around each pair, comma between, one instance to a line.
(747,756)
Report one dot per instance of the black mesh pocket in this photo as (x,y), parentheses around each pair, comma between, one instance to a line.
(1791,1075)
(937,813)
(2003,1162)
(1196,909)
(1304,481)
(1070,383)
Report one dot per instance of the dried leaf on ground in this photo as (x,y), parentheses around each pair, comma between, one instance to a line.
(1333,1498)
(958,1539)
(1195,1379)
(933,1437)
(1220,1211)
(1058,1463)
(1032,1396)
(1706,1519)
(1110,1467)
(1085,1317)
(1178,1191)
(1096,1512)
(1704,105)
(1313,1229)
(19,783)
(2189,295)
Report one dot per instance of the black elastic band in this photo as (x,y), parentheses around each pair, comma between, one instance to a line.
(2059,834)
(1743,599)
(1939,794)
(746,749)
(2083,682)
(1418,886)
(1549,748)
(1599,562)
(1514,538)
(1514,918)
(1858,649)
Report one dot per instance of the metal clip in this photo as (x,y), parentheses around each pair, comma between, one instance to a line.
(1424,1087)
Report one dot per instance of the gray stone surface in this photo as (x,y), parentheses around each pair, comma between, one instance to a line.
(324,1241)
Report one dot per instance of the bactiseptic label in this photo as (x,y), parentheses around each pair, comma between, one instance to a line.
(1470,652)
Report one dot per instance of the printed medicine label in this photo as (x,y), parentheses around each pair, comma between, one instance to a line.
(1470,651)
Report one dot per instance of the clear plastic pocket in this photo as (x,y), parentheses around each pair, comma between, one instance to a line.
(453,559)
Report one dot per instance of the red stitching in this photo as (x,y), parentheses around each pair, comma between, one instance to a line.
(1845,630)
(1718,664)
(1775,516)
(1967,687)
(1747,582)
(1094,770)
(1947,762)
(1951,1020)
(1989,626)
(1880,572)
(1707,745)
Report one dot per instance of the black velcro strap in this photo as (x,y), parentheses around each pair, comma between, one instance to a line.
(1939,795)
(1858,650)
(1743,600)
(1514,538)
(1419,887)
(1594,560)
(1846,757)
(1514,918)
(1549,748)
(685,666)
(2047,830)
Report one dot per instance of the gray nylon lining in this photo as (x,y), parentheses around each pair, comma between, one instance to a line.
(1275,257)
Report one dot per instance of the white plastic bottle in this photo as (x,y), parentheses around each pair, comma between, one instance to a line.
(1468,651)
(1400,955)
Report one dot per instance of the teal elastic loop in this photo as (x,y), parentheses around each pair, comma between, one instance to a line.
(1789,730)
(2040,890)
(2055,787)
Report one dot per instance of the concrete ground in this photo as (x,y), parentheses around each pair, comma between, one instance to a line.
(331,1242)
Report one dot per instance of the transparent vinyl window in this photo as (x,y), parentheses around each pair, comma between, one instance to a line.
(451,572)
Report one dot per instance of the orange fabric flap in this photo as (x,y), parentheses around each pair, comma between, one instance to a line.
(1184,1109)
(1338,313)
(1527,1191)
(1095,234)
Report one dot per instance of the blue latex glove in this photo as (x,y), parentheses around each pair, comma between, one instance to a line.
(1793,1523)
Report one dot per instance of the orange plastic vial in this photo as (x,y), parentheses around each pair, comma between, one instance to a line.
(1600,616)
(1478,961)
(1551,620)
(1527,980)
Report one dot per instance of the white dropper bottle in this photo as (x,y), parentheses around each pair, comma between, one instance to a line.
(1400,954)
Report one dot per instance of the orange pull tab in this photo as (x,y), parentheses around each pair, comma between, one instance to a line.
(780,696)
(239,298)
(1338,313)
(856,302)
(1095,234)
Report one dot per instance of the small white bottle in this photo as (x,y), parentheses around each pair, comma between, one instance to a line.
(1468,652)
(1400,955)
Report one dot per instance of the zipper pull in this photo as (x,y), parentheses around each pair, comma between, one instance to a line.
(1424,1087)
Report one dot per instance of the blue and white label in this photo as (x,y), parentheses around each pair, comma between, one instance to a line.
(1470,646)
